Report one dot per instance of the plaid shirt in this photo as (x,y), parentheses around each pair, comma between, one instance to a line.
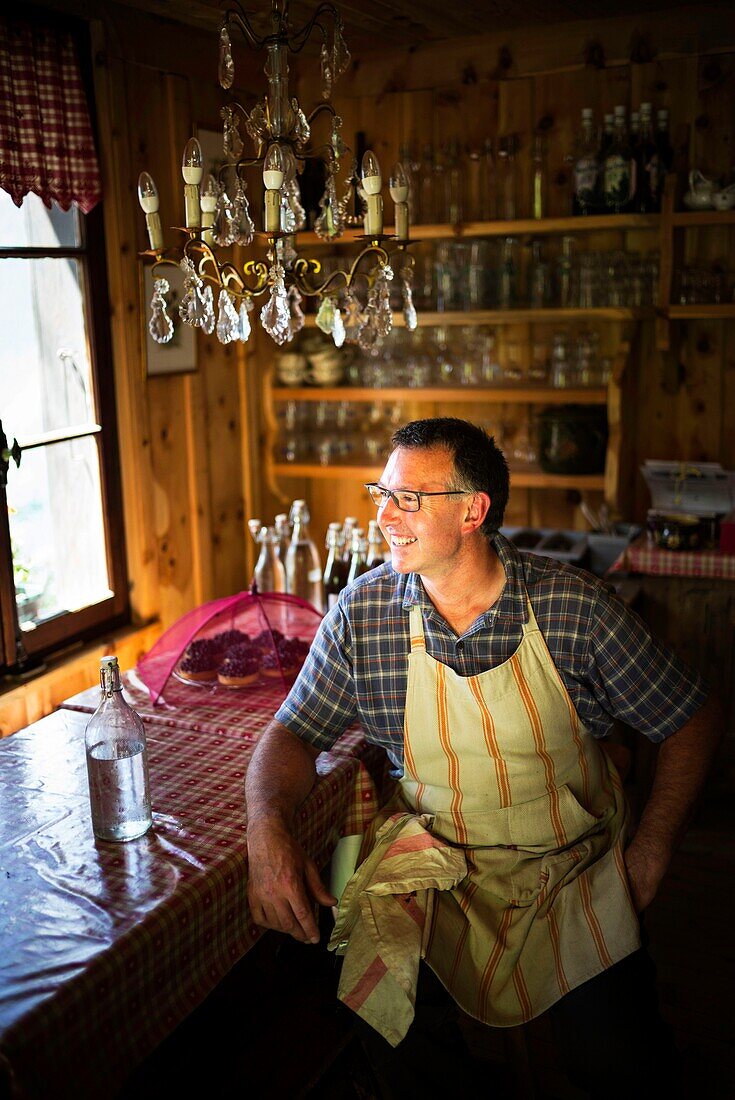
(610,663)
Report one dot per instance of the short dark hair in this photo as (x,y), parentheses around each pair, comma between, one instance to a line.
(479,464)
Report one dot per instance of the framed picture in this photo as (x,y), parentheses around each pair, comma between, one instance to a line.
(179,355)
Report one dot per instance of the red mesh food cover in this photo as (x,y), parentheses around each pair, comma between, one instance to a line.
(232,644)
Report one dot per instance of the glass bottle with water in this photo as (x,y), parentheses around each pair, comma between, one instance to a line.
(303,567)
(117,764)
(270,574)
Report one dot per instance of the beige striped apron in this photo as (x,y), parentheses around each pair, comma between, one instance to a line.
(508,771)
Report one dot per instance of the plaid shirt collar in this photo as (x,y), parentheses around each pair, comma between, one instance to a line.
(512,605)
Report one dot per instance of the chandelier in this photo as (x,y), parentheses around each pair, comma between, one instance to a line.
(354,302)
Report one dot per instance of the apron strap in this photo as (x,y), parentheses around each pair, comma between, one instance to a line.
(416,625)
(531,625)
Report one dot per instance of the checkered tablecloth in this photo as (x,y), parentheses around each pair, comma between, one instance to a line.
(197,707)
(642,557)
(107,947)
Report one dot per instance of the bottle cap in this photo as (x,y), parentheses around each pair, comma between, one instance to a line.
(587,112)
(108,662)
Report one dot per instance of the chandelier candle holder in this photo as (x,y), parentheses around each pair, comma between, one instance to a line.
(354,302)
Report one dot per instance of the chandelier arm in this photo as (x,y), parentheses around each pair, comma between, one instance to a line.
(225,273)
(369,250)
(163,261)
(310,291)
(239,18)
(349,277)
(305,31)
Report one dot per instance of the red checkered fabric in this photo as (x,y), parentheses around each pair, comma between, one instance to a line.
(642,557)
(46,143)
(134,936)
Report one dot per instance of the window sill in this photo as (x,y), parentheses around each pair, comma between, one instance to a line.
(24,703)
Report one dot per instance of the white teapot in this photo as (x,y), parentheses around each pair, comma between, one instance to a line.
(701,190)
(724,199)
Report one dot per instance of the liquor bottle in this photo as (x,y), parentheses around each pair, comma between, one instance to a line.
(507,288)
(348,527)
(507,204)
(618,180)
(284,535)
(303,568)
(488,184)
(539,282)
(665,150)
(270,574)
(474,186)
(647,192)
(335,575)
(358,564)
(586,167)
(538,191)
(375,545)
(117,763)
(564,274)
(454,185)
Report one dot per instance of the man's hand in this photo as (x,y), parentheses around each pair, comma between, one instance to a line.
(644,876)
(681,769)
(283,882)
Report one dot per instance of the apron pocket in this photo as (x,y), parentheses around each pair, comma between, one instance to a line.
(541,825)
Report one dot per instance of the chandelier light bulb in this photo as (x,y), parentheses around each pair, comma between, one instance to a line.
(208,197)
(147,193)
(274,167)
(192,168)
(372,181)
(398,183)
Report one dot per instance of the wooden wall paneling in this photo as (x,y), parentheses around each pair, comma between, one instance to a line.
(172,491)
(220,452)
(111,92)
(251,457)
(537,49)
(727,405)
(698,427)
(713,136)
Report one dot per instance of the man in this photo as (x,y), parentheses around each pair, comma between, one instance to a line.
(489,677)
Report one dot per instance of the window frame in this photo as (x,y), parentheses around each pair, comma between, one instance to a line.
(67,628)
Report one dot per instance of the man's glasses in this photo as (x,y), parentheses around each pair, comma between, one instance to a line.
(406,499)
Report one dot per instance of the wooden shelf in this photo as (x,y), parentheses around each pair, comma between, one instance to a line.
(721,312)
(517,316)
(521,227)
(486,395)
(520,479)
(691,219)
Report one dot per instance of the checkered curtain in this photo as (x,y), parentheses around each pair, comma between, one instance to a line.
(46,143)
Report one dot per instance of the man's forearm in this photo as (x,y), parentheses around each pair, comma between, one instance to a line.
(280,776)
(681,770)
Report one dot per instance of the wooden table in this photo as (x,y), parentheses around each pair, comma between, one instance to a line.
(107,947)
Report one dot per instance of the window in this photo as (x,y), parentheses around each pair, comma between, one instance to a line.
(62,557)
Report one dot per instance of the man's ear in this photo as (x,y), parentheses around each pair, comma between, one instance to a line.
(477,508)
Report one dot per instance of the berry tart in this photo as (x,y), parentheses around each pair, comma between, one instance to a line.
(268,638)
(271,665)
(239,669)
(292,653)
(200,665)
(229,638)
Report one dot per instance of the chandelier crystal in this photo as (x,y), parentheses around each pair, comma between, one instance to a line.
(354,302)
